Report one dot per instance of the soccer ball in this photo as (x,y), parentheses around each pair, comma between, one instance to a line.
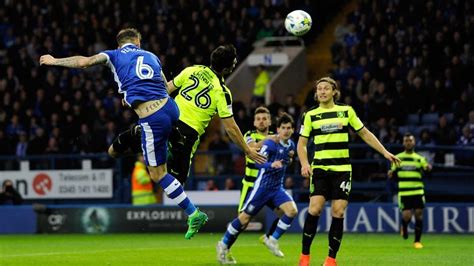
(298,22)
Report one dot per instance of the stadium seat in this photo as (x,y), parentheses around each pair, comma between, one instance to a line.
(429,119)
(404,129)
(413,119)
(449,117)
(430,128)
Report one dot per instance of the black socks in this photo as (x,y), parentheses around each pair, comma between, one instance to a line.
(309,231)
(335,236)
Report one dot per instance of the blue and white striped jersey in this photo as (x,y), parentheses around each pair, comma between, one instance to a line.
(268,177)
(137,73)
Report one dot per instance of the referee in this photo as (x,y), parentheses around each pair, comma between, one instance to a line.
(330,170)
(411,194)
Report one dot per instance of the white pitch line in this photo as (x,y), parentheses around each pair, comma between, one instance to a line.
(104,250)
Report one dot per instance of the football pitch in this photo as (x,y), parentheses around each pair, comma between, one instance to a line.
(173,249)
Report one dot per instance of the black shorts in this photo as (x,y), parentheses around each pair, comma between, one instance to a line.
(182,144)
(331,185)
(411,202)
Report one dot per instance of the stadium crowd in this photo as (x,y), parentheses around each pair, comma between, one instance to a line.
(412,75)
(404,66)
(57,110)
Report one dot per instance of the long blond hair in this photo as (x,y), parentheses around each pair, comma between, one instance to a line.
(334,86)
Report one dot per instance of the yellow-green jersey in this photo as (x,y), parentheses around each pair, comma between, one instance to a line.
(410,173)
(202,94)
(330,129)
(251,171)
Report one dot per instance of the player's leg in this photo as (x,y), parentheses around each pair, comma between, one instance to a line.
(338,208)
(252,206)
(155,131)
(230,236)
(235,228)
(278,212)
(340,190)
(318,195)
(244,193)
(126,143)
(406,215)
(182,144)
(255,202)
(419,206)
(288,206)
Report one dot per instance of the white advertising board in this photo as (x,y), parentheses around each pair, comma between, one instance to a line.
(61,184)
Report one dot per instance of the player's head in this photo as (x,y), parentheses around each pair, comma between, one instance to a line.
(409,141)
(262,119)
(129,35)
(285,126)
(7,185)
(140,158)
(327,90)
(223,59)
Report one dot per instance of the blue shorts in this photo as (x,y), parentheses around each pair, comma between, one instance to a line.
(155,131)
(261,197)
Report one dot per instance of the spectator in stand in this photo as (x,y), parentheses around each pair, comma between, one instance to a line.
(22,145)
(229,184)
(291,107)
(211,185)
(470,122)
(261,81)
(38,143)
(425,138)
(220,161)
(393,136)
(444,134)
(9,195)
(466,139)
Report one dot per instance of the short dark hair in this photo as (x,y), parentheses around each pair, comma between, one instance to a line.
(128,35)
(261,110)
(285,118)
(408,134)
(223,57)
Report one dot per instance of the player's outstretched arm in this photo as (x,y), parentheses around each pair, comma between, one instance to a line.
(373,142)
(236,136)
(73,61)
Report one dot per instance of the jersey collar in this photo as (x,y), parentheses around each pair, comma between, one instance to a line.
(286,145)
(127,44)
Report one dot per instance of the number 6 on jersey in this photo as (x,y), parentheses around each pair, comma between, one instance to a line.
(142,67)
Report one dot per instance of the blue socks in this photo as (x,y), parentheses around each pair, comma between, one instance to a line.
(283,225)
(175,191)
(233,230)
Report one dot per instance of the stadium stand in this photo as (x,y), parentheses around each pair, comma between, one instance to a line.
(408,76)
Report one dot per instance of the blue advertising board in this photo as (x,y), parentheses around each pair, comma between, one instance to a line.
(17,220)
(385,218)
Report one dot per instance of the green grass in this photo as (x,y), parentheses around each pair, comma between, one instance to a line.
(173,249)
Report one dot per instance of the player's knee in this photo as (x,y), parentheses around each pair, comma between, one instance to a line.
(338,214)
(157,172)
(244,219)
(292,212)
(315,210)
(419,214)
